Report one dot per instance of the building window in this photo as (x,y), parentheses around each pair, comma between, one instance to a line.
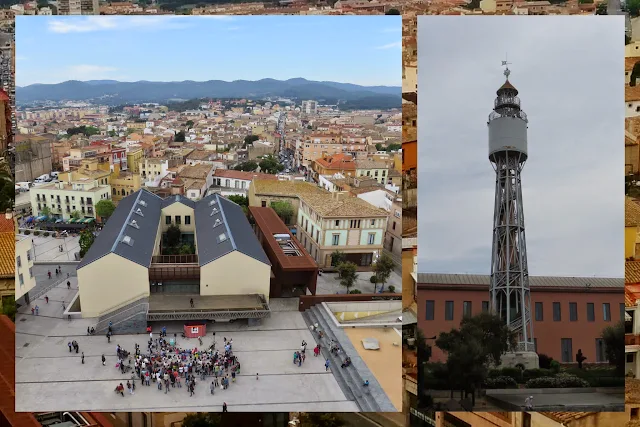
(539,312)
(21,280)
(264,203)
(601,353)
(373,222)
(394,225)
(573,312)
(178,219)
(167,219)
(372,238)
(448,310)
(337,222)
(19,261)
(630,357)
(30,271)
(485,306)
(466,308)
(431,310)
(557,312)
(336,239)
(606,311)
(187,219)
(591,312)
(567,351)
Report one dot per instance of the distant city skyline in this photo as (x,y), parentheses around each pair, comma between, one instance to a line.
(363,50)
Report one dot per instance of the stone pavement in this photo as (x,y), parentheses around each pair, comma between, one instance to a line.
(49,378)
(328,283)
(47,248)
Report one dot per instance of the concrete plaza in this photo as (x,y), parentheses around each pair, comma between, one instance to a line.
(329,283)
(47,249)
(49,378)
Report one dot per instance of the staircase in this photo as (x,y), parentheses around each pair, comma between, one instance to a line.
(350,379)
(132,318)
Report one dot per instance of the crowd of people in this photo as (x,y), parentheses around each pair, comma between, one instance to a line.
(166,365)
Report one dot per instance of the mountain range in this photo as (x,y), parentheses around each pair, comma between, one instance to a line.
(113,92)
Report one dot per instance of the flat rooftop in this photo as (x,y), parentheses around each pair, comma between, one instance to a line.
(172,302)
(386,363)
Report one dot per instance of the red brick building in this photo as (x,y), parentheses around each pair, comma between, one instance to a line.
(293,270)
(569,313)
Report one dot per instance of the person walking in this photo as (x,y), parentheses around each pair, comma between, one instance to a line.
(224,407)
(212,387)
(69,344)
(33,311)
(83,357)
(326,365)
(108,337)
(68,282)
(191,302)
(49,273)
(46,299)
(37,310)
(104,360)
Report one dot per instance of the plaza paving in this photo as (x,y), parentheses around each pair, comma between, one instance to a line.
(48,248)
(328,283)
(49,378)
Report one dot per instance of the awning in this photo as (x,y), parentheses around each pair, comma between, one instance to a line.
(88,220)
(72,221)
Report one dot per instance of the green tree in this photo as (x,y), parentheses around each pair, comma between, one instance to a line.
(269,164)
(250,139)
(320,419)
(392,12)
(601,8)
(7,188)
(347,274)
(480,341)
(179,137)
(186,249)
(283,209)
(174,236)
(189,124)
(337,258)
(86,240)
(202,419)
(105,208)
(76,215)
(248,166)
(633,6)
(383,268)
(9,308)
(45,211)
(239,200)
(112,133)
(379,147)
(613,337)
(393,147)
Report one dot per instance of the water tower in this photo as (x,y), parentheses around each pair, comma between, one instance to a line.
(510,292)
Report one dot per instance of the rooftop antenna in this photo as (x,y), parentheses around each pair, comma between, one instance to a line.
(506,64)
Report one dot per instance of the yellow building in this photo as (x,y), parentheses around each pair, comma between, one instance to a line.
(7,259)
(133,159)
(373,169)
(123,184)
(131,265)
(631,229)
(262,192)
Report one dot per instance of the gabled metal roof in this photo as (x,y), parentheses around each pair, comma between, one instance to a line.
(534,281)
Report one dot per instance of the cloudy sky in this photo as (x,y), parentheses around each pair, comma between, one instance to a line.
(569,72)
(363,50)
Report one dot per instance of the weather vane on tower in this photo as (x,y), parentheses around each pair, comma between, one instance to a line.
(506,64)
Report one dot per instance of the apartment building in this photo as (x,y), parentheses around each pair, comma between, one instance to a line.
(68,196)
(78,7)
(376,170)
(24,277)
(153,169)
(336,222)
(309,107)
(342,164)
(263,192)
(318,146)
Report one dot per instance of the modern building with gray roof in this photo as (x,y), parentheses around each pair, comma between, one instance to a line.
(133,258)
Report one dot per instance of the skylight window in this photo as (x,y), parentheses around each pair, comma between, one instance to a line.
(213,202)
(214,211)
(142,203)
(127,240)
(222,238)
(139,212)
(216,223)
(134,224)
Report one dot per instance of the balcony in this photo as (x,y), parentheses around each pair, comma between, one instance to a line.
(631,339)
(174,267)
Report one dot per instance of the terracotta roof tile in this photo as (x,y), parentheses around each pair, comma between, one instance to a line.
(286,188)
(632,273)
(328,206)
(631,93)
(564,417)
(629,62)
(234,174)
(631,212)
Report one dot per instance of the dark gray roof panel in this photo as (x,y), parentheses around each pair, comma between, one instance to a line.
(143,235)
(178,199)
(231,221)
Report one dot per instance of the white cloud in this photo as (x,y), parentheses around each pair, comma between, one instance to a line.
(111,23)
(394,45)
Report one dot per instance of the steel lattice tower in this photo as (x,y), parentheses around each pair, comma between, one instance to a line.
(510,292)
